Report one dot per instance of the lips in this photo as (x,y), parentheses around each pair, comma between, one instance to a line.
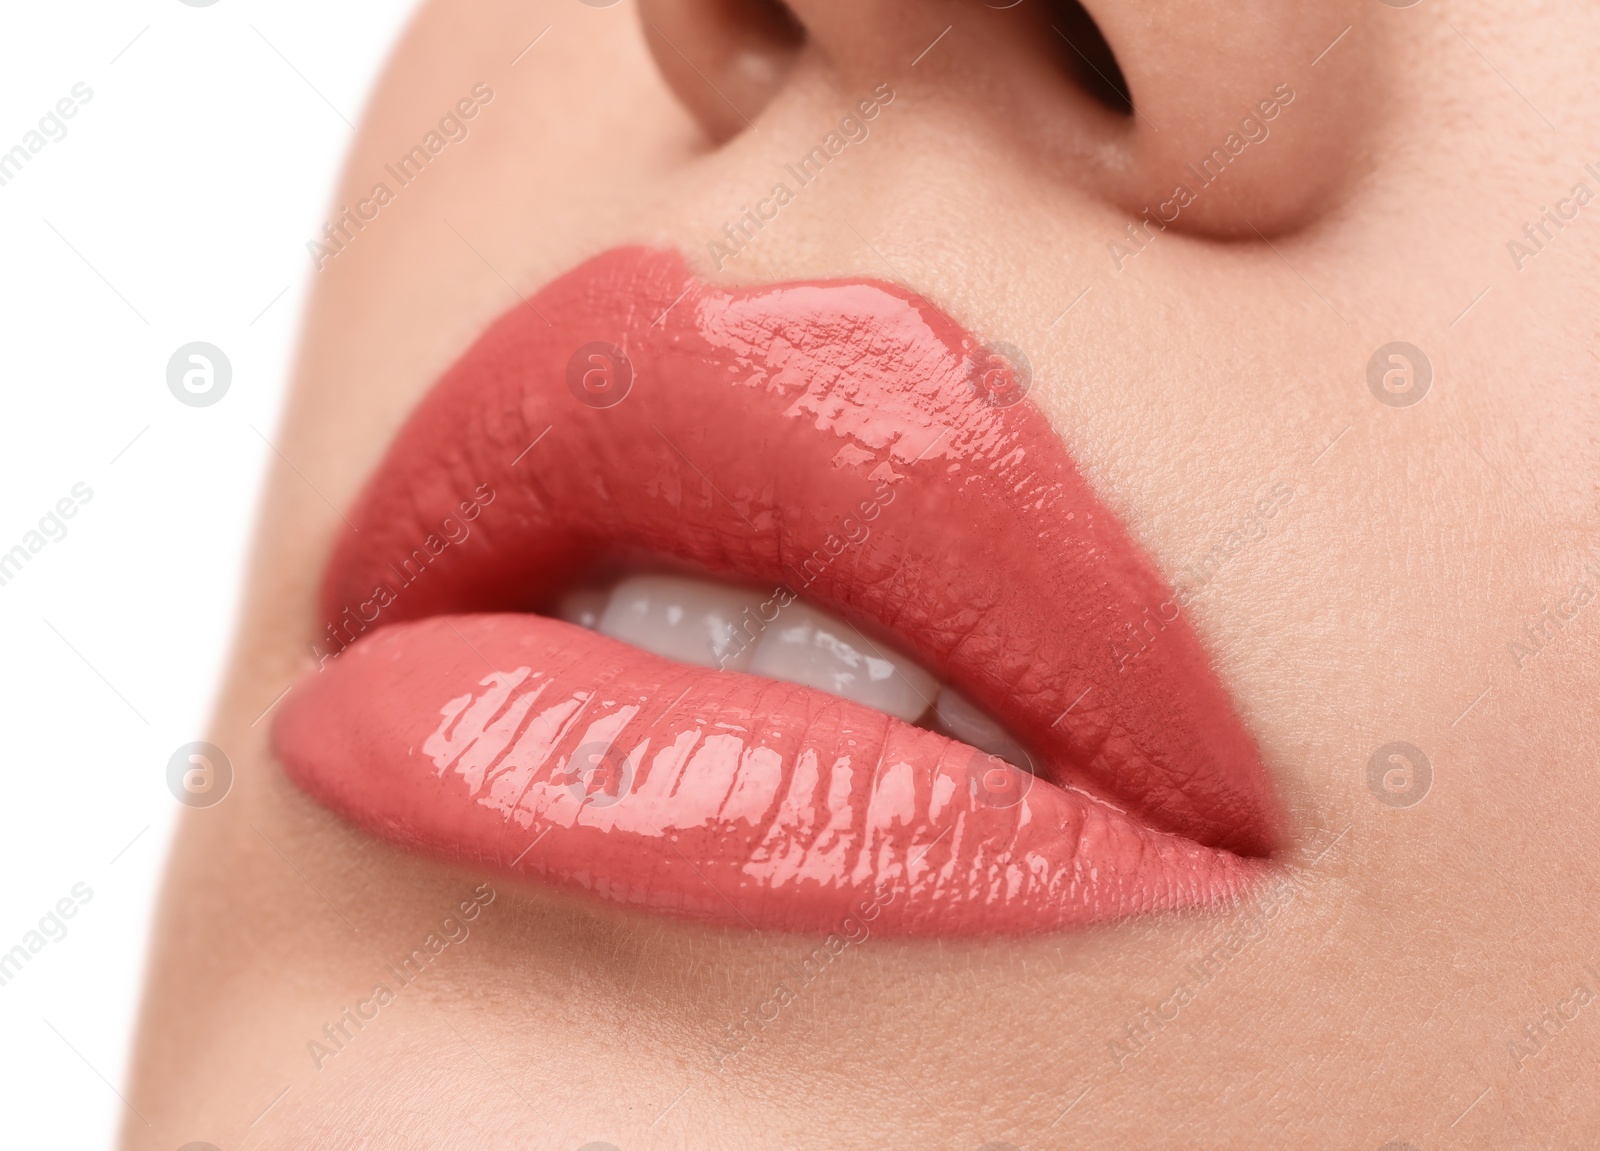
(847,445)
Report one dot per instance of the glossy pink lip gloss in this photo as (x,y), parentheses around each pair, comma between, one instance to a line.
(840,440)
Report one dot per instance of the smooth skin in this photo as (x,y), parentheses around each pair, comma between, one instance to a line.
(1381,989)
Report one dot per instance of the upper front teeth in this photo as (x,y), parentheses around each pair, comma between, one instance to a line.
(714,625)
(810,647)
(689,620)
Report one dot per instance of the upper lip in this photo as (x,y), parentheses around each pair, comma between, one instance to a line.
(749,446)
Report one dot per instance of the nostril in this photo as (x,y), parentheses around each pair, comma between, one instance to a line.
(774,20)
(725,59)
(766,35)
(1087,57)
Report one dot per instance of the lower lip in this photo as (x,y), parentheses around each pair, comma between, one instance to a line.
(533,746)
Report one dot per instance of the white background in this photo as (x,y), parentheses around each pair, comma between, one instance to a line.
(177,208)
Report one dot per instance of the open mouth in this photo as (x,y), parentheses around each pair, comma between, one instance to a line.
(767,607)
(777,636)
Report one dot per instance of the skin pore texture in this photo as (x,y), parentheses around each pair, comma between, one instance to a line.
(1361,571)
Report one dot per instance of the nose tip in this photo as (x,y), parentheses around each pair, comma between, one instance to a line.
(1229,120)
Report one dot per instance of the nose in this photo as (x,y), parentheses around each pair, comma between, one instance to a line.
(1236,119)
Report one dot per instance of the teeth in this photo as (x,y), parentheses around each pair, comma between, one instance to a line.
(960,718)
(713,625)
(583,606)
(689,620)
(806,646)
